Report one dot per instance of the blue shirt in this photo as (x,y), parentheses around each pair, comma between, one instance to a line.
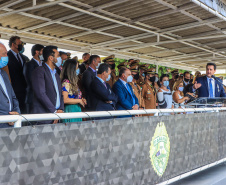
(2,83)
(53,72)
(213,85)
(15,54)
(95,71)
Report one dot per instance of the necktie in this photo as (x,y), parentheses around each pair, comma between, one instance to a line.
(210,88)
(18,57)
(105,85)
(130,93)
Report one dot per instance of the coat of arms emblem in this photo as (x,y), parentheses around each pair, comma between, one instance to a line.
(160,149)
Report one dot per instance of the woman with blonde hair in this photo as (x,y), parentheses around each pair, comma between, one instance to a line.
(178,95)
(71,92)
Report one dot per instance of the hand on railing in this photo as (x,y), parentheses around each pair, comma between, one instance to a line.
(12,113)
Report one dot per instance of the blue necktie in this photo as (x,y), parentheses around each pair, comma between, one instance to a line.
(210,88)
(128,88)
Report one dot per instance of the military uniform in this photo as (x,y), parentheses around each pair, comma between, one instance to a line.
(149,93)
(141,80)
(113,79)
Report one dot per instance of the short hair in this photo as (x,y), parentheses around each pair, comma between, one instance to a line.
(48,51)
(163,76)
(13,40)
(186,72)
(62,53)
(36,47)
(122,71)
(92,58)
(85,54)
(211,64)
(103,68)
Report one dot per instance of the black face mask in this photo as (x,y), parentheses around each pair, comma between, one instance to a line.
(112,66)
(152,79)
(177,76)
(20,47)
(136,76)
(186,80)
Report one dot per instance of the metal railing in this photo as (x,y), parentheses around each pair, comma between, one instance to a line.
(55,116)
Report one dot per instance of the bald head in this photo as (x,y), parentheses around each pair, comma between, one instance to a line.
(3,51)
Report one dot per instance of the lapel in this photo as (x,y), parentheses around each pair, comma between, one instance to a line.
(35,63)
(49,75)
(126,88)
(206,84)
(216,87)
(6,84)
(16,60)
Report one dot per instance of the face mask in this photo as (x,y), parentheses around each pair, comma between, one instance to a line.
(177,76)
(21,50)
(136,76)
(166,83)
(181,89)
(41,57)
(156,79)
(152,79)
(112,66)
(98,65)
(186,80)
(4,62)
(129,78)
(59,61)
(77,71)
(20,47)
(63,62)
(143,74)
(109,77)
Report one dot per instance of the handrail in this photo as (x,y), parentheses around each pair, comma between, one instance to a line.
(54,116)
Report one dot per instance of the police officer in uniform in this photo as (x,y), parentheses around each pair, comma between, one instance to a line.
(136,88)
(148,90)
(110,61)
(141,79)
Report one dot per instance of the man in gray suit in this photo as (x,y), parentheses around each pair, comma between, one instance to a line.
(9,103)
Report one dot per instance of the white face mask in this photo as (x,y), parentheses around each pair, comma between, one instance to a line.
(109,77)
(98,65)
(129,78)
(59,61)
(41,57)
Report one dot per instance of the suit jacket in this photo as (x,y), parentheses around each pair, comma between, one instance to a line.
(44,99)
(29,67)
(4,105)
(87,79)
(16,74)
(101,94)
(203,91)
(125,101)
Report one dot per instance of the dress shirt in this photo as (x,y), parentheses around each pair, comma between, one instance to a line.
(39,63)
(213,85)
(53,72)
(15,54)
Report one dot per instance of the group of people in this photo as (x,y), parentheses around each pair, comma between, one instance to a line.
(51,82)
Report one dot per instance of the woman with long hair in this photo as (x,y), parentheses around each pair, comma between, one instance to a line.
(71,92)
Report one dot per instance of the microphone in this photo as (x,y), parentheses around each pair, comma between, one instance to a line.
(214,77)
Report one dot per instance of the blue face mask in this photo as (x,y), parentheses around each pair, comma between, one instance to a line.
(59,61)
(109,77)
(4,61)
(181,89)
(77,71)
(129,78)
(143,74)
(22,51)
(166,83)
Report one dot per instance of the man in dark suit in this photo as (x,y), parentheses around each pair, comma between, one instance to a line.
(88,76)
(29,67)
(46,86)
(208,86)
(16,65)
(103,98)
(9,103)
(126,98)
